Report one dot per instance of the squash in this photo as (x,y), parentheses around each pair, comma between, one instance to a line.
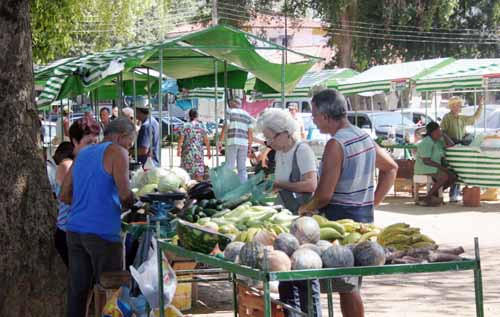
(306,230)
(265,237)
(306,259)
(287,243)
(278,261)
(252,254)
(369,253)
(311,246)
(323,245)
(232,250)
(337,256)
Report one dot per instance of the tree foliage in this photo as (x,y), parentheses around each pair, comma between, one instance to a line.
(385,31)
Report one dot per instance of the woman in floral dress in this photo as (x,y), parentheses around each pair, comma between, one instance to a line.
(190,147)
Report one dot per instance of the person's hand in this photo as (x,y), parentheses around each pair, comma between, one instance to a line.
(481,100)
(304,211)
(219,147)
(249,152)
(444,169)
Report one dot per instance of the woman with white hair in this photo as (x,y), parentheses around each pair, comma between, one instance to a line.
(295,180)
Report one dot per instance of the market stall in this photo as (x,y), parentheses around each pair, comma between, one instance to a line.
(236,229)
(477,163)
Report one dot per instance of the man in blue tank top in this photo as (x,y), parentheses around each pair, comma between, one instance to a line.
(97,187)
(346,185)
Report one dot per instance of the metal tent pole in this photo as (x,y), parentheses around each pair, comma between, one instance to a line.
(150,115)
(425,105)
(134,93)
(160,108)
(216,111)
(475,108)
(435,105)
(226,105)
(61,109)
(283,79)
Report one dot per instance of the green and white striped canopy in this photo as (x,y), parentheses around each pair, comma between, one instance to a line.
(202,93)
(192,58)
(379,78)
(462,73)
(328,77)
(474,167)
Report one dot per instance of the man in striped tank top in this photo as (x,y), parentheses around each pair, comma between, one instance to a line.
(346,186)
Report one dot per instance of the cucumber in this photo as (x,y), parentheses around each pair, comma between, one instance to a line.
(212,203)
(219,207)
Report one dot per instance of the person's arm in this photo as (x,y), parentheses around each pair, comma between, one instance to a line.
(307,185)
(66,127)
(120,172)
(387,174)
(448,142)
(179,144)
(66,195)
(62,170)
(207,145)
(477,114)
(333,158)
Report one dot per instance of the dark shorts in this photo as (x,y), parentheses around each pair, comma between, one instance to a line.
(348,284)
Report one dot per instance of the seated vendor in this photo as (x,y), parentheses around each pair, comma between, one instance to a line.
(431,161)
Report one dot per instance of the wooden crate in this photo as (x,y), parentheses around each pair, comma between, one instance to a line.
(251,303)
(109,283)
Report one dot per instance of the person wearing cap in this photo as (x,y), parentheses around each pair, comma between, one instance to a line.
(346,186)
(453,125)
(238,135)
(293,107)
(430,161)
(148,139)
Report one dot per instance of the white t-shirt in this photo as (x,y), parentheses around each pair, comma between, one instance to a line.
(284,160)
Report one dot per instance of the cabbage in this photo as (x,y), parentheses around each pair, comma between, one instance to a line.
(153,176)
(169,182)
(182,174)
(147,189)
(137,180)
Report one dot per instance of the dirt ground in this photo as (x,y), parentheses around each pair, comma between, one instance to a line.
(422,295)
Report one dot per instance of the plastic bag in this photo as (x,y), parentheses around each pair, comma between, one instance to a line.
(223,180)
(146,277)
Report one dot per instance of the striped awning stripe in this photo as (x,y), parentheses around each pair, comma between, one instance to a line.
(475,167)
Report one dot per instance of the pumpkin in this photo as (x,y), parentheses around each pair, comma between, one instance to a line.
(306,230)
(311,246)
(232,250)
(251,254)
(265,237)
(369,253)
(337,256)
(278,261)
(287,243)
(323,245)
(306,259)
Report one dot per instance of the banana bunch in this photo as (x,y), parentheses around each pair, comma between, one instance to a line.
(347,231)
(402,236)
(248,235)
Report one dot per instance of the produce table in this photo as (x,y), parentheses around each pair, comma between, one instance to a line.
(266,277)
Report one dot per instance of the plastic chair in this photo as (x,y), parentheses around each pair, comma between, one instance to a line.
(423,180)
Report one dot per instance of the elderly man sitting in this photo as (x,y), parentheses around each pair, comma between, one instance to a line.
(431,161)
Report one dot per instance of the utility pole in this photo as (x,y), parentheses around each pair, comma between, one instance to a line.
(215,19)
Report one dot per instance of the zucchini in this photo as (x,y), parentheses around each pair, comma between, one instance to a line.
(221,213)
(210,211)
(219,207)
(235,203)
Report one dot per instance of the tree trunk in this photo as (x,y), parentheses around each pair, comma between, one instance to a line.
(32,276)
(345,48)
